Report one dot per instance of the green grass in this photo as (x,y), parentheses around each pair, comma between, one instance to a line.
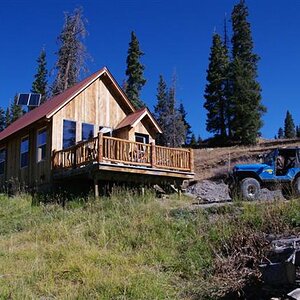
(123,247)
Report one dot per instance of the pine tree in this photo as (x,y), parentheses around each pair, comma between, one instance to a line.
(2,119)
(215,90)
(168,116)
(39,85)
(298,131)
(188,127)
(193,141)
(71,53)
(15,110)
(245,98)
(7,117)
(289,126)
(134,72)
(175,133)
(161,108)
(280,134)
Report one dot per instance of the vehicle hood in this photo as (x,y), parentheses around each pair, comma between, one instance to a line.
(250,167)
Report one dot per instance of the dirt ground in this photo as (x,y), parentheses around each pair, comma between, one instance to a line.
(212,165)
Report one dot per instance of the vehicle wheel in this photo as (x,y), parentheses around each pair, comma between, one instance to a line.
(296,187)
(250,188)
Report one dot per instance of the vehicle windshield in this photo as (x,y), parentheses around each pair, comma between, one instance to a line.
(269,158)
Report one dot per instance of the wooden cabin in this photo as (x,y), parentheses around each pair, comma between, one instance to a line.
(90,132)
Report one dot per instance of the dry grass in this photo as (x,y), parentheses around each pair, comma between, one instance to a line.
(217,162)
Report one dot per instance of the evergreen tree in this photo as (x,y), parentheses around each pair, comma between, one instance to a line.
(215,90)
(175,133)
(15,110)
(161,108)
(7,117)
(168,116)
(298,131)
(39,85)
(193,141)
(188,127)
(289,126)
(280,134)
(2,119)
(245,98)
(71,53)
(134,72)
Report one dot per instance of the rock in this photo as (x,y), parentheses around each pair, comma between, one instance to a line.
(209,191)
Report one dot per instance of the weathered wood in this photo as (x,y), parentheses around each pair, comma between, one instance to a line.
(153,155)
(96,187)
(192,160)
(100,147)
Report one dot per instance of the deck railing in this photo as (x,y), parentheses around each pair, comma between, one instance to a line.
(123,152)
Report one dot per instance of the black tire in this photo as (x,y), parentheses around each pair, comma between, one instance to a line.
(249,189)
(296,187)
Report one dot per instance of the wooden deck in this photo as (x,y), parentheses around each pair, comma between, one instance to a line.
(112,155)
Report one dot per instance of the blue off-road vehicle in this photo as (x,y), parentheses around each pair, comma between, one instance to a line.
(278,169)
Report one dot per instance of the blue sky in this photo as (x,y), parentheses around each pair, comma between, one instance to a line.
(175,36)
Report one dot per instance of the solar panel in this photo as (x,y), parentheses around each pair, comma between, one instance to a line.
(34,100)
(23,99)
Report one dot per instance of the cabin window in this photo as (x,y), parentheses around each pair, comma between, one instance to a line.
(41,144)
(69,133)
(142,138)
(2,160)
(87,131)
(24,152)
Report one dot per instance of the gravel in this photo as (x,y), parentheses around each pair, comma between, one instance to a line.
(208,191)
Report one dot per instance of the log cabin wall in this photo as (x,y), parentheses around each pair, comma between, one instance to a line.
(38,171)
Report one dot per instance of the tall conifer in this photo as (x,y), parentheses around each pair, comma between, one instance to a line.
(2,119)
(245,98)
(71,54)
(289,126)
(188,131)
(39,85)
(134,72)
(15,110)
(280,134)
(215,90)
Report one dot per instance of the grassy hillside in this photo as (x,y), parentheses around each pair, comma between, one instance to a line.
(132,247)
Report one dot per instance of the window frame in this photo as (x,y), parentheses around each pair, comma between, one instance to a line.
(75,135)
(38,146)
(26,137)
(90,124)
(4,161)
(145,137)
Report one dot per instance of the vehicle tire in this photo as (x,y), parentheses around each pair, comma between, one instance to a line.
(249,189)
(296,187)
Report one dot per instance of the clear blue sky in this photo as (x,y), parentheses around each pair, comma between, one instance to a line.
(175,36)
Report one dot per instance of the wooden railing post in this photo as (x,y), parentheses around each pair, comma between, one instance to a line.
(153,155)
(191,160)
(100,147)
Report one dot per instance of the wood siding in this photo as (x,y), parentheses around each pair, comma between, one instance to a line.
(36,173)
(95,105)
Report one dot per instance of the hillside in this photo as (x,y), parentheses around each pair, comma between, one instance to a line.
(133,247)
(216,162)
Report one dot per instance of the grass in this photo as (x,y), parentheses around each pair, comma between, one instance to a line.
(124,247)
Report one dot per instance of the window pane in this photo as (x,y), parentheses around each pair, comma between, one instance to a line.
(24,145)
(42,135)
(24,152)
(87,131)
(24,159)
(69,133)
(2,160)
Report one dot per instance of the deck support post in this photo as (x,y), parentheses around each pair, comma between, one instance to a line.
(96,187)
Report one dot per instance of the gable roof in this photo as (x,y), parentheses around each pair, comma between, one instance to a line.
(133,119)
(50,107)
